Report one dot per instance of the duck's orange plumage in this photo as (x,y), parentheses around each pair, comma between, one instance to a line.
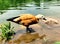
(27,19)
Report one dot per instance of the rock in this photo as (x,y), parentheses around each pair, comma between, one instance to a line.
(50,21)
(27,38)
(38,28)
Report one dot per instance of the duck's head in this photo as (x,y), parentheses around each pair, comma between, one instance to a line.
(40,16)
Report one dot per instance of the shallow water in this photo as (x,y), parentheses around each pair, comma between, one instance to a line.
(52,11)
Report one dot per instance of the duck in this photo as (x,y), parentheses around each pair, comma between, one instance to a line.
(26,20)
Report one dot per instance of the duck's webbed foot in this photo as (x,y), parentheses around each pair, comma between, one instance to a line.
(29,30)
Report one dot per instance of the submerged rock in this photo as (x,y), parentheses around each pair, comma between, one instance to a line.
(50,21)
(27,38)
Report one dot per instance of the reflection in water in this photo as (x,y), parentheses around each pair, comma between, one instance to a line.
(22,3)
(42,5)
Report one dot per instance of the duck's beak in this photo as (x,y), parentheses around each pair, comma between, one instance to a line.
(44,19)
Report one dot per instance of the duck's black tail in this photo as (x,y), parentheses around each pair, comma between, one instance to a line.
(12,19)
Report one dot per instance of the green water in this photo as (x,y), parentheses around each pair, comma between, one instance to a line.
(6,4)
